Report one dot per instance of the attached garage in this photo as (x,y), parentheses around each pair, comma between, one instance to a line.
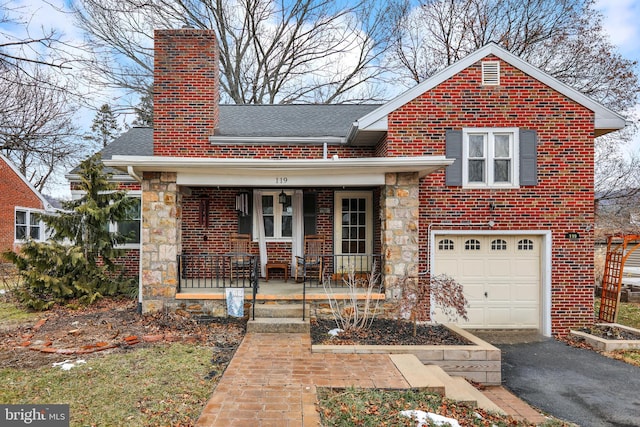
(503,276)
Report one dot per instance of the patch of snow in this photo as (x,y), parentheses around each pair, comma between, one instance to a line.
(423,418)
(335,332)
(68,364)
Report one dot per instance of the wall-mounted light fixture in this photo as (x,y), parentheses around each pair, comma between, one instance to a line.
(282,198)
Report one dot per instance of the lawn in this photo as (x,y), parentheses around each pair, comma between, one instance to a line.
(160,385)
(365,407)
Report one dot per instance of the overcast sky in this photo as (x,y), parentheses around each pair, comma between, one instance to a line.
(621,22)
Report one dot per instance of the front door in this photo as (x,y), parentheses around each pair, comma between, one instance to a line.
(353,230)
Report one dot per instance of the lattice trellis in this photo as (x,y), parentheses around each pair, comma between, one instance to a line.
(618,250)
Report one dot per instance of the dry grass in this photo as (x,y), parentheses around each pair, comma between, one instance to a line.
(162,385)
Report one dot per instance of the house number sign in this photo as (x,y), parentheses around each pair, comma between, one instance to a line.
(281,180)
(572,236)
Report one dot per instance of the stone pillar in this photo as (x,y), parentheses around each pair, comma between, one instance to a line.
(400,238)
(161,232)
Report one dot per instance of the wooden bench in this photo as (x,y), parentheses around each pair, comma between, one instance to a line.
(277,266)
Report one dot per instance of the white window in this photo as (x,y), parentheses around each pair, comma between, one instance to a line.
(490,158)
(277,217)
(28,225)
(130,228)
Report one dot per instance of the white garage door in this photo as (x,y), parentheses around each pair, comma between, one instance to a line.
(500,276)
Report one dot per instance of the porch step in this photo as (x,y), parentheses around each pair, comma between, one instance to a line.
(293,311)
(434,378)
(278,325)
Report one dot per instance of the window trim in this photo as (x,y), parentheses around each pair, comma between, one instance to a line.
(277,217)
(43,235)
(489,155)
(113,226)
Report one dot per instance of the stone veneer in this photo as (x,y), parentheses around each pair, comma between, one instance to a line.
(400,212)
(161,225)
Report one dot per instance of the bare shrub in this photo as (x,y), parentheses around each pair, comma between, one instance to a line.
(355,312)
(443,291)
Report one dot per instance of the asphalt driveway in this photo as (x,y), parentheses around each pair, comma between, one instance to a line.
(573,384)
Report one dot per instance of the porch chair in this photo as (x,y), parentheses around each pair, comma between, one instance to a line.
(239,257)
(311,259)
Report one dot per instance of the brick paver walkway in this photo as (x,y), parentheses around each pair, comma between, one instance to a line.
(272,379)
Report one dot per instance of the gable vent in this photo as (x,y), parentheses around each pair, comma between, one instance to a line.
(491,73)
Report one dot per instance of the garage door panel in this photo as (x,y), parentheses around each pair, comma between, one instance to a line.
(498,267)
(509,274)
(472,268)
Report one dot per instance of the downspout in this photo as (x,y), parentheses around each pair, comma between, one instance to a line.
(135,176)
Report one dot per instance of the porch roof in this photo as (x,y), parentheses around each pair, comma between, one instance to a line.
(194,171)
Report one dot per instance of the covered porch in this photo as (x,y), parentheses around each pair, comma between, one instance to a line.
(366,208)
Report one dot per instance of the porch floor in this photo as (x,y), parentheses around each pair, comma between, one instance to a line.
(278,290)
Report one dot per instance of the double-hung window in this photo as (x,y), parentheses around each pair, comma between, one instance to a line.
(130,228)
(277,217)
(490,158)
(28,225)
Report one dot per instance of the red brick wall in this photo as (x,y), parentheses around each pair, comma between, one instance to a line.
(186,91)
(129,262)
(561,202)
(13,192)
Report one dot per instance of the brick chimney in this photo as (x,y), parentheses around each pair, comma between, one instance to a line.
(186,92)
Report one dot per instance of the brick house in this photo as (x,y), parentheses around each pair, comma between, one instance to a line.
(483,172)
(19,202)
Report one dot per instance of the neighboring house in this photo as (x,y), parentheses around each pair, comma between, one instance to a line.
(483,172)
(20,201)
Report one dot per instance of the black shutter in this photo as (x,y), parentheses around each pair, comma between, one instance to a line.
(528,157)
(453,173)
(310,212)
(245,222)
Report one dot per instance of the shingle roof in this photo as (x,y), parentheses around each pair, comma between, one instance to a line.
(137,141)
(293,120)
(308,120)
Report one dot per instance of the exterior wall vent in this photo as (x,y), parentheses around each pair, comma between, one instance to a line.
(491,73)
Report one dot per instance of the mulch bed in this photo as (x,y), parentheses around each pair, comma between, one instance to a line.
(611,332)
(110,325)
(385,332)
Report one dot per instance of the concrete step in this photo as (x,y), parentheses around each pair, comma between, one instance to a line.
(281,310)
(434,378)
(278,325)
(416,375)
(461,387)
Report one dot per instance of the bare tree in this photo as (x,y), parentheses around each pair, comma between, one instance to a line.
(22,55)
(37,130)
(270,52)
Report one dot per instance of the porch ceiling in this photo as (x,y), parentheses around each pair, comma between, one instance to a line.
(280,172)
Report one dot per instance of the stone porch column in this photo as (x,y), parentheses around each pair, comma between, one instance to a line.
(161,232)
(400,239)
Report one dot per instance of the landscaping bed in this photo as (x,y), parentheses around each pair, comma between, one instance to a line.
(113,365)
(110,325)
(456,351)
(609,337)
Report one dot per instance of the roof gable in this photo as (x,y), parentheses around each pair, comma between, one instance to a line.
(605,119)
(45,202)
